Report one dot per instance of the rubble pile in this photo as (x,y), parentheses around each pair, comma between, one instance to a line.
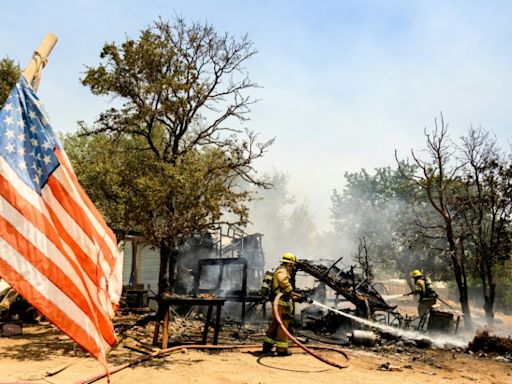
(483,342)
(185,329)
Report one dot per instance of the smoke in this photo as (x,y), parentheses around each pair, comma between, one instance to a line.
(289,225)
(357,212)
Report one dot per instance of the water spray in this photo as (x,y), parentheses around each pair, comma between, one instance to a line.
(392,297)
(437,341)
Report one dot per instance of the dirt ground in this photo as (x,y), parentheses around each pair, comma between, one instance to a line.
(44,355)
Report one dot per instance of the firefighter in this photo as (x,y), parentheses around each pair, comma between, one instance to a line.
(423,288)
(281,284)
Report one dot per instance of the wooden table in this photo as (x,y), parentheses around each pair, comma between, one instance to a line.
(163,311)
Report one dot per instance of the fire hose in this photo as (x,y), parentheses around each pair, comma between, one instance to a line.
(302,346)
(168,351)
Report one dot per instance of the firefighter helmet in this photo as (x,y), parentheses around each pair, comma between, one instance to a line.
(416,273)
(288,258)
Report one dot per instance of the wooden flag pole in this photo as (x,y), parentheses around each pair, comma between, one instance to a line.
(39,59)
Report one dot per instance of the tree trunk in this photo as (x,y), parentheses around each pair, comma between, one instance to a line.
(168,261)
(134,280)
(460,276)
(489,296)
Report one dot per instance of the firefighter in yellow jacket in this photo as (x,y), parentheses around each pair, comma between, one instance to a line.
(423,288)
(281,284)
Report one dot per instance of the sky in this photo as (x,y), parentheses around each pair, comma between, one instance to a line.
(343,83)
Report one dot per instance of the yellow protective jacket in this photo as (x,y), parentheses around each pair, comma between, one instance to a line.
(420,288)
(281,284)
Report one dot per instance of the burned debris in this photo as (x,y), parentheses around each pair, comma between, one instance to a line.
(214,269)
(485,343)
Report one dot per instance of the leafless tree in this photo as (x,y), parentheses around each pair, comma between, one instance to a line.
(487,204)
(439,180)
(363,259)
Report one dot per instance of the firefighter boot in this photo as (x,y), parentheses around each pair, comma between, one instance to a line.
(283,353)
(267,348)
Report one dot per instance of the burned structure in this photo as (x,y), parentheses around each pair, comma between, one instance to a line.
(351,286)
(231,266)
(354,288)
(236,273)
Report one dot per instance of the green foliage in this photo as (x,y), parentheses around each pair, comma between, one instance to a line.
(136,191)
(9,75)
(382,209)
(181,88)
(503,273)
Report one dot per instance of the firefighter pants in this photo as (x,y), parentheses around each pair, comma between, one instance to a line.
(275,335)
(424,305)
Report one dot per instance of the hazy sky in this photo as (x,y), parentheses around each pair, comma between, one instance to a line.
(344,83)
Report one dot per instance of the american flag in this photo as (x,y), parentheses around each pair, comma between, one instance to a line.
(55,247)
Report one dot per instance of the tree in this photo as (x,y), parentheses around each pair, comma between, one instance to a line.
(128,186)
(381,209)
(181,87)
(487,203)
(9,74)
(438,179)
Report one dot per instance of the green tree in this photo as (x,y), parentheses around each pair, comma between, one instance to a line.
(9,75)
(183,90)
(503,275)
(382,208)
(128,186)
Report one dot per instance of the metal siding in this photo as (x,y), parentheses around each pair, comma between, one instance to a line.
(149,266)
(127,262)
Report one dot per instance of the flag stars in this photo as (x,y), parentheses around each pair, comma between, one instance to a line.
(9,134)
(9,147)
(26,145)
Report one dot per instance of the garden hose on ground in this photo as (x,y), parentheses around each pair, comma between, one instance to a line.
(168,351)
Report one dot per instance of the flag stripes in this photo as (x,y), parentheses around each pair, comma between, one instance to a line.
(55,248)
(23,238)
(83,334)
